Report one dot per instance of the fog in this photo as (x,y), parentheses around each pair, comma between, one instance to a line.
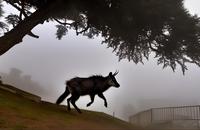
(41,66)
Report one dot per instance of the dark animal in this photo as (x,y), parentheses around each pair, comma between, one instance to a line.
(88,86)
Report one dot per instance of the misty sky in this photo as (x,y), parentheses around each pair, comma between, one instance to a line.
(50,62)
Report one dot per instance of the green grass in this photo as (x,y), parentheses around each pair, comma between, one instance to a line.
(18,113)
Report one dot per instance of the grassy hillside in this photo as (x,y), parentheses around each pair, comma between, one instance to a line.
(18,113)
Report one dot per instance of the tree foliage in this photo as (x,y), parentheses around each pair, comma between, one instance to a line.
(133,28)
(12,19)
(2,24)
(61,31)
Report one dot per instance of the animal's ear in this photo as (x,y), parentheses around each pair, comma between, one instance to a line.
(110,74)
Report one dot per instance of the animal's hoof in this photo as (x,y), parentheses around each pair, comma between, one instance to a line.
(105,105)
(79,111)
(88,104)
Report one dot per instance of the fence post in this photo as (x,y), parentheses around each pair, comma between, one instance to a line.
(198,116)
(151,115)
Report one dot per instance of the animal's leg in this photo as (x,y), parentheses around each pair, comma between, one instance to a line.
(73,100)
(102,96)
(92,100)
(68,103)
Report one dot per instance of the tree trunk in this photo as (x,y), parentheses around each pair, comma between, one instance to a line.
(16,35)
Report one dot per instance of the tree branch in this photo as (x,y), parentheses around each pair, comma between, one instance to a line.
(22,11)
(24,27)
(84,30)
(63,23)
(18,8)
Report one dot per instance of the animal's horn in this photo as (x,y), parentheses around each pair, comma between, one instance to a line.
(116,72)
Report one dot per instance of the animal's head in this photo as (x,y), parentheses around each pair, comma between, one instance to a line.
(112,81)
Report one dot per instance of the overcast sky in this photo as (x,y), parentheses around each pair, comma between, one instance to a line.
(50,62)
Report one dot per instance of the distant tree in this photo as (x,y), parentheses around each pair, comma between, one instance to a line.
(24,82)
(0,80)
(133,28)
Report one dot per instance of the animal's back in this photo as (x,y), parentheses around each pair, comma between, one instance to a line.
(82,86)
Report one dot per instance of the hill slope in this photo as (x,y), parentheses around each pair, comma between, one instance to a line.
(18,113)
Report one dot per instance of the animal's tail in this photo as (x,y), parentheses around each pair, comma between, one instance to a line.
(63,96)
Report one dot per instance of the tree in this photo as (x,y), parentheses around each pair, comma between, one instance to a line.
(0,80)
(3,26)
(133,28)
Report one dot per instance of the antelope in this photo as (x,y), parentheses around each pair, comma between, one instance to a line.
(93,85)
